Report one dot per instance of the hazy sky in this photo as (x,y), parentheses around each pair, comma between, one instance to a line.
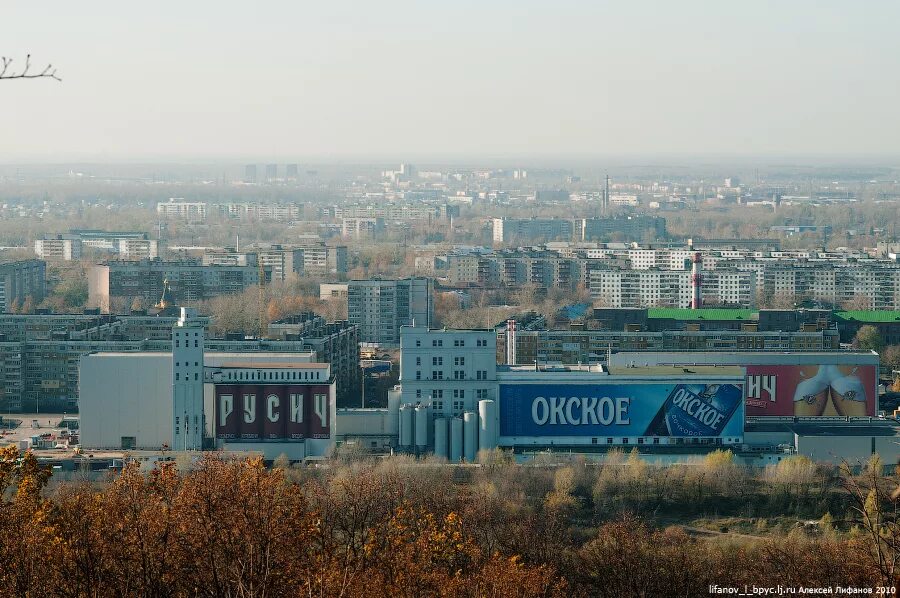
(294,80)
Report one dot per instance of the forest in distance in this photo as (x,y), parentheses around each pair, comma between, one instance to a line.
(361,526)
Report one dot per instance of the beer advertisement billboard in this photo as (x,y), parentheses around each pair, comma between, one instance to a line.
(622,410)
(272,412)
(811,390)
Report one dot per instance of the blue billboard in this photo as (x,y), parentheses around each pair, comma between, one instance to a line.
(622,410)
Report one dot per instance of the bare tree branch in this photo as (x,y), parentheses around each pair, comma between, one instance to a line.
(26,73)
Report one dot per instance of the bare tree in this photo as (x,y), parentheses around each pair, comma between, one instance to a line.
(8,72)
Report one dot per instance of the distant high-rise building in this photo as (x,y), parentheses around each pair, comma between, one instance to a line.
(271,172)
(291,171)
(250,173)
(381,307)
(22,280)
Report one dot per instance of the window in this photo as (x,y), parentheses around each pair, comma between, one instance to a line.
(640,441)
(437,361)
(624,441)
(459,393)
(437,393)
(458,406)
(437,375)
(418,393)
(418,374)
(418,361)
(177,376)
(481,375)
(459,342)
(481,393)
(418,343)
(459,361)
(437,343)
(438,406)
(459,375)
(482,342)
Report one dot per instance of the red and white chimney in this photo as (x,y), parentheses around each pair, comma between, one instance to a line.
(696,280)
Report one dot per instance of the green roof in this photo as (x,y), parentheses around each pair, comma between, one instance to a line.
(860,315)
(712,314)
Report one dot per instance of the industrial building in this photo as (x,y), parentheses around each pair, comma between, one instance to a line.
(40,353)
(188,400)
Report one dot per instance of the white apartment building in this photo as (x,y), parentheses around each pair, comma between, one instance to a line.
(136,249)
(670,288)
(58,249)
(176,207)
(447,370)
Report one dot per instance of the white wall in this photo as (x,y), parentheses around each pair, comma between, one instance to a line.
(125,395)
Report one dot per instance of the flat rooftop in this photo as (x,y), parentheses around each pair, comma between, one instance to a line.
(677,370)
(272,366)
(835,427)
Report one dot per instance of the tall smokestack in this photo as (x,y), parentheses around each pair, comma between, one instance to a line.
(696,279)
(511,342)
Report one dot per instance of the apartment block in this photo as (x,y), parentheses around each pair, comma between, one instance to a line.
(381,307)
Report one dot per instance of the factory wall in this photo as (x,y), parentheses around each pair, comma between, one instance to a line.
(126,396)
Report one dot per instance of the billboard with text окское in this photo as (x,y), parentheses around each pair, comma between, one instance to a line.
(622,410)
(272,412)
(811,390)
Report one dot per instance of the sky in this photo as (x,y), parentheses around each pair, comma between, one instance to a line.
(299,80)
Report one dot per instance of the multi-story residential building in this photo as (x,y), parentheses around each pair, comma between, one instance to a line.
(617,287)
(22,280)
(447,370)
(318,259)
(381,307)
(544,269)
(361,227)
(130,245)
(258,211)
(176,207)
(58,249)
(635,228)
(507,230)
(189,281)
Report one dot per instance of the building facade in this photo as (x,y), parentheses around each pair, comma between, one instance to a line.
(381,307)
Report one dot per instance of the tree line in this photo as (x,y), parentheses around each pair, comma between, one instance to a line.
(365,527)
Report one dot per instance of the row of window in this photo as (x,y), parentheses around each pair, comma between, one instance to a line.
(457,375)
(459,342)
(458,393)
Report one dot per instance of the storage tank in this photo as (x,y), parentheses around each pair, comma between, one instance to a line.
(421,427)
(470,435)
(487,425)
(456,439)
(440,437)
(406,426)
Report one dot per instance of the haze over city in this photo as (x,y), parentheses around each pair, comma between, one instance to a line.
(408,80)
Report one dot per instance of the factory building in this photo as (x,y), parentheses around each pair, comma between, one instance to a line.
(187,399)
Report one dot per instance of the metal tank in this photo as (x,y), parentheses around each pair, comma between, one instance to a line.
(406,426)
(440,437)
(456,439)
(421,435)
(470,435)
(487,425)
